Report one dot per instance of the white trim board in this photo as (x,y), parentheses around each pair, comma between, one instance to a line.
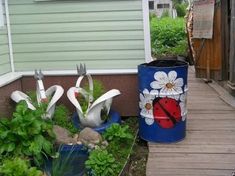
(74,72)
(9,37)
(147,38)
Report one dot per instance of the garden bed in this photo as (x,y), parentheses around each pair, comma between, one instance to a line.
(17,151)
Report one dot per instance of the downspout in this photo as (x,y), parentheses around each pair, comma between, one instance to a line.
(9,36)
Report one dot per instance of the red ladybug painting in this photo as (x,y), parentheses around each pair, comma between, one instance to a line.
(166,112)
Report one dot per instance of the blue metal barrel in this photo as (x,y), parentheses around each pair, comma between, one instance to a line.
(163,96)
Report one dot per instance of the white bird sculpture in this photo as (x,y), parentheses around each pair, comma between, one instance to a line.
(92,116)
(55,92)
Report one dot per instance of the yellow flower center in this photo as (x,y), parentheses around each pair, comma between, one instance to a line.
(169,85)
(148,106)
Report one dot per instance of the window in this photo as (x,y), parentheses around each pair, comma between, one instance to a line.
(151,5)
(161,6)
(1,14)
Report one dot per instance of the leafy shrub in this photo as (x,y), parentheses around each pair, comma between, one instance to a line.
(101,163)
(114,156)
(117,132)
(26,134)
(165,13)
(181,9)
(18,167)
(152,15)
(168,37)
(119,137)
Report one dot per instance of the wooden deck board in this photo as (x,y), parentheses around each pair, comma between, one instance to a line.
(209,146)
(193,172)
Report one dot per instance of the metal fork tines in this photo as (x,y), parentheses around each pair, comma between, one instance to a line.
(38,74)
(82,70)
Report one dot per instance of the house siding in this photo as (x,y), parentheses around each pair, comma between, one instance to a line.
(4,52)
(56,35)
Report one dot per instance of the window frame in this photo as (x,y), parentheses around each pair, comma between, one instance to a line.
(151,5)
(163,6)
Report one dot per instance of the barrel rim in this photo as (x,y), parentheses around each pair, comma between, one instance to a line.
(184,64)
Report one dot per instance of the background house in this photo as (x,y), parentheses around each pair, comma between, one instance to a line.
(110,37)
(159,7)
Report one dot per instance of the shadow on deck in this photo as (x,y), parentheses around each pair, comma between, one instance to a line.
(209,146)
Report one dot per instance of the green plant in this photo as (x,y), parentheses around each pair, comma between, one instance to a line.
(98,90)
(181,9)
(61,118)
(152,15)
(61,165)
(168,37)
(101,163)
(18,167)
(26,134)
(165,14)
(119,138)
(117,132)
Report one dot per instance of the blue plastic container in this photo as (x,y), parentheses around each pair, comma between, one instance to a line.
(71,161)
(114,118)
(163,93)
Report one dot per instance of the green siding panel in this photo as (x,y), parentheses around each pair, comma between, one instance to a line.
(76,17)
(65,65)
(4,53)
(77,27)
(4,68)
(78,37)
(4,59)
(75,6)
(3,40)
(78,46)
(4,49)
(75,57)
(60,34)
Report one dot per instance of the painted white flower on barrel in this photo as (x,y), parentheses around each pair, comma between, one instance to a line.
(146,105)
(183,105)
(169,85)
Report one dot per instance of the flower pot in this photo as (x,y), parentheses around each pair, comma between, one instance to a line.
(114,118)
(71,161)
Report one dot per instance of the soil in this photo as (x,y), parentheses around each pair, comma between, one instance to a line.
(137,161)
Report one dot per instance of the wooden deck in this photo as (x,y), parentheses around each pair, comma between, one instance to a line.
(209,146)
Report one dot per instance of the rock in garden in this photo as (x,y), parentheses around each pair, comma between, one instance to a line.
(63,136)
(89,136)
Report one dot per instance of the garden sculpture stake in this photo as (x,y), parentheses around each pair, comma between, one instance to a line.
(50,96)
(92,115)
